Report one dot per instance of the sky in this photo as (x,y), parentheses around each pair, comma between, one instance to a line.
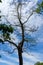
(35,53)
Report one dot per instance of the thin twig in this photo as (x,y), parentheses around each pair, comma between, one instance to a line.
(12,51)
(28,18)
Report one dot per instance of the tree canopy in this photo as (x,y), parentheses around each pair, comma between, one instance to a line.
(39,63)
(6,30)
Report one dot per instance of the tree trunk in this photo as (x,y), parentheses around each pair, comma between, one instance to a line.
(20,57)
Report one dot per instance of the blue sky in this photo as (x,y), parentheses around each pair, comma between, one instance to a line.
(36,52)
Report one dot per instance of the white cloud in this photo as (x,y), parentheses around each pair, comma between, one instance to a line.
(7,1)
(32,58)
(4,7)
(40,39)
(28,63)
(11,58)
(36,20)
(6,62)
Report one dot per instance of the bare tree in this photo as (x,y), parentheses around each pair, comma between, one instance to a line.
(18,28)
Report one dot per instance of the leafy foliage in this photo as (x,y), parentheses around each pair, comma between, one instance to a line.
(38,63)
(6,30)
(40,8)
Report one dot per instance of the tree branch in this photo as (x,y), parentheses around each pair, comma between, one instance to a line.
(28,53)
(28,18)
(22,28)
(12,43)
(10,52)
(9,42)
(10,23)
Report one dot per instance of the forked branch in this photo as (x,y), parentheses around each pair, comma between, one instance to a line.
(21,24)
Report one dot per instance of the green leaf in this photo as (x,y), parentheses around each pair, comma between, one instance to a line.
(6,30)
(38,10)
(41,4)
(10,29)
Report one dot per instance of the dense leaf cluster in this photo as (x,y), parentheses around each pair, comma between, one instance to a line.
(40,8)
(6,30)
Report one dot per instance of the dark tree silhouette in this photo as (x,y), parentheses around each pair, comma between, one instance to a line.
(0,1)
(19,29)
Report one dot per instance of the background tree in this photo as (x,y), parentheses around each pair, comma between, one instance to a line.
(39,63)
(20,29)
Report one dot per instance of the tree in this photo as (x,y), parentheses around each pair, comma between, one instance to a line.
(19,29)
(39,63)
